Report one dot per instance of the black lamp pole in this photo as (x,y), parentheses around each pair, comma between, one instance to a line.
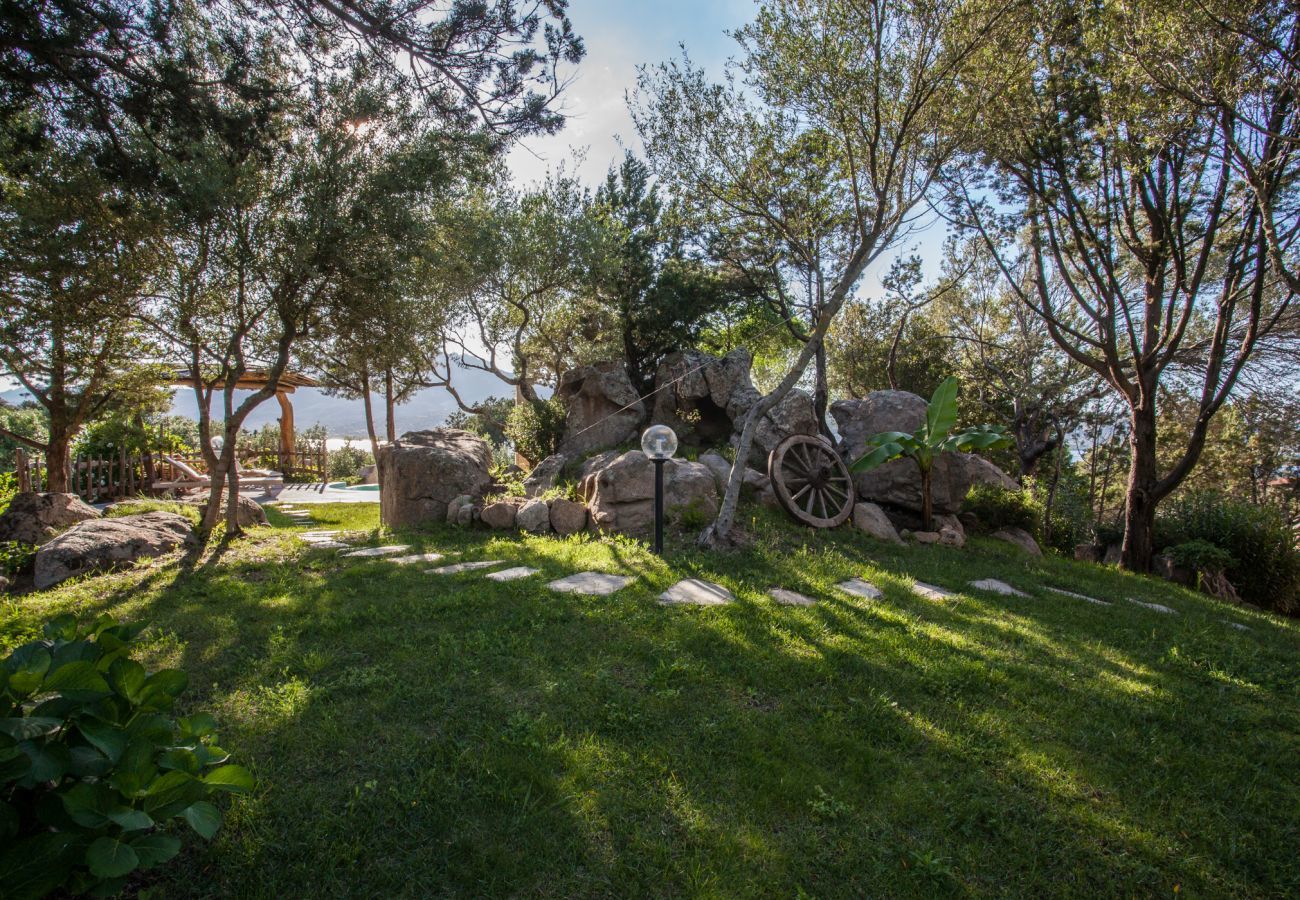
(659,506)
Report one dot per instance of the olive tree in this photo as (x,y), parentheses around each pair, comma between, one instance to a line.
(854,99)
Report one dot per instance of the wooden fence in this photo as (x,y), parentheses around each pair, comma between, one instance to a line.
(102,478)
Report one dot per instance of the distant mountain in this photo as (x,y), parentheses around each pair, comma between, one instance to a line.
(346,418)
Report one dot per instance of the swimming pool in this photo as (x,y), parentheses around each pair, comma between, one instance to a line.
(344,486)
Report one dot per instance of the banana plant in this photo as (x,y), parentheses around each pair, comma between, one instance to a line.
(925,444)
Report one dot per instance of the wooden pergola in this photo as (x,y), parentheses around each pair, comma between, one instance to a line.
(255,380)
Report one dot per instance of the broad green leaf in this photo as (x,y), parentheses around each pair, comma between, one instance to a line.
(941,413)
(62,627)
(136,769)
(8,821)
(171,682)
(128,678)
(49,760)
(36,865)
(129,819)
(88,804)
(108,738)
(172,792)
(110,858)
(230,778)
(155,849)
(25,729)
(180,758)
(88,761)
(27,667)
(197,725)
(13,765)
(75,676)
(879,456)
(204,818)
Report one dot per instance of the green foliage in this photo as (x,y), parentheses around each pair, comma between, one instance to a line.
(931,439)
(997,507)
(1265,566)
(106,436)
(96,777)
(8,487)
(15,557)
(28,421)
(346,462)
(1200,555)
(488,423)
(536,428)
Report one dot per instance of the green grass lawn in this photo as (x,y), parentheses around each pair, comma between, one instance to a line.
(424,735)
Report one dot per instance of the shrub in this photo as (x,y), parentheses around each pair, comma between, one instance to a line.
(1200,555)
(16,557)
(997,507)
(536,428)
(134,506)
(96,778)
(8,487)
(345,463)
(1265,565)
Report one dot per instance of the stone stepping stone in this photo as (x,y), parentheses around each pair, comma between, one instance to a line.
(932,592)
(415,558)
(696,592)
(859,588)
(512,574)
(1079,596)
(327,545)
(596,584)
(308,535)
(457,568)
(790,598)
(1237,625)
(371,552)
(997,587)
(1158,607)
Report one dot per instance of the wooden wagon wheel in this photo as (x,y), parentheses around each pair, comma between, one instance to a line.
(811,481)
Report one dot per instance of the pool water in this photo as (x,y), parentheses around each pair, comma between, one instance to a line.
(344,486)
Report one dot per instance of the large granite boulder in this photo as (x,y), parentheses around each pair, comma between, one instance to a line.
(545,475)
(567,516)
(602,408)
(422,472)
(897,484)
(706,398)
(621,494)
(102,544)
(534,516)
(248,512)
(35,518)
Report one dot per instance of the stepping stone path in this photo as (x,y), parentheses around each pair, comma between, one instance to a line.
(859,588)
(415,558)
(932,592)
(309,535)
(997,587)
(512,574)
(327,545)
(1237,625)
(371,552)
(457,568)
(1158,607)
(790,598)
(1079,596)
(696,592)
(597,584)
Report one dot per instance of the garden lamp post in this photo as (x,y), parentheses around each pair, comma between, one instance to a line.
(659,443)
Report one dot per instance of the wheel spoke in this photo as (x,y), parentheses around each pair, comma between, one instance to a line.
(795,497)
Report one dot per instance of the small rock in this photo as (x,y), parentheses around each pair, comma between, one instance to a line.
(457,568)
(951,537)
(1230,624)
(499,515)
(545,475)
(926,537)
(1114,553)
(859,588)
(327,545)
(1158,607)
(415,558)
(1018,536)
(454,508)
(932,592)
(1066,593)
(696,592)
(790,598)
(4,584)
(371,552)
(512,574)
(597,584)
(534,517)
(871,518)
(568,516)
(997,587)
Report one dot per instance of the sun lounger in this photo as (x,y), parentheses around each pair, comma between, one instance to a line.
(192,478)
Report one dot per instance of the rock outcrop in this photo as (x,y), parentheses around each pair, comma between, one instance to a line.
(423,471)
(102,544)
(248,512)
(898,483)
(534,516)
(500,513)
(545,475)
(602,408)
(621,494)
(35,518)
(567,516)
(1018,536)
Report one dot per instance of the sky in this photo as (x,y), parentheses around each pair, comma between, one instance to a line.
(621,35)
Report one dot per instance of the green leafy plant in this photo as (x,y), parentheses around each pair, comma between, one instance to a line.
(536,428)
(1200,555)
(96,777)
(16,557)
(925,444)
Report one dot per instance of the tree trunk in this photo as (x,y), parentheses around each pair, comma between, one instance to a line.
(1140,495)
(370,423)
(56,459)
(927,499)
(821,391)
(390,419)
